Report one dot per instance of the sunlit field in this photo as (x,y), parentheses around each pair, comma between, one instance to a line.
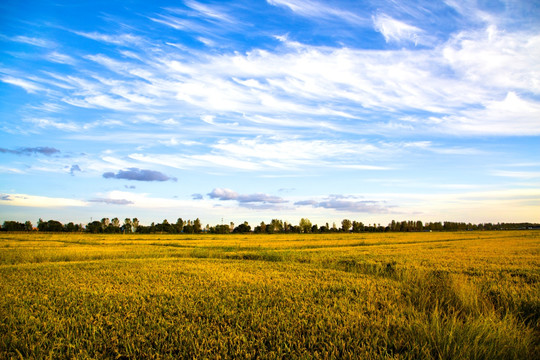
(466,295)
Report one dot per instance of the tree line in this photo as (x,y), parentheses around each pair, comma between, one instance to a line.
(275,226)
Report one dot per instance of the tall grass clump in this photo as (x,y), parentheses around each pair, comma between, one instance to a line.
(452,319)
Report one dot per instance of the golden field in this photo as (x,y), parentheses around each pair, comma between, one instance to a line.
(463,295)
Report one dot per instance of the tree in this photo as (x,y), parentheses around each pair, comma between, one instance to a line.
(127,225)
(197,228)
(345,225)
(242,228)
(135,224)
(94,227)
(41,225)
(188,227)
(105,222)
(28,226)
(70,227)
(357,226)
(277,224)
(305,225)
(13,226)
(220,229)
(179,225)
(115,222)
(54,226)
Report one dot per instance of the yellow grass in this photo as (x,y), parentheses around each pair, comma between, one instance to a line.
(398,295)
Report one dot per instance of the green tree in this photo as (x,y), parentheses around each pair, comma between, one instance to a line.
(197,228)
(277,224)
(105,222)
(357,226)
(305,225)
(242,228)
(127,225)
(346,225)
(41,225)
(179,225)
(135,224)
(94,227)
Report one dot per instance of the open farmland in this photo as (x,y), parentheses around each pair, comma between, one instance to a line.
(469,295)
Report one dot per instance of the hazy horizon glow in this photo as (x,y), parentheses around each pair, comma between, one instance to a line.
(255,110)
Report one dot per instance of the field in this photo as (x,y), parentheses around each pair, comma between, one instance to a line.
(468,295)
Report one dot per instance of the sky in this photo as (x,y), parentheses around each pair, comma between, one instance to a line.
(252,110)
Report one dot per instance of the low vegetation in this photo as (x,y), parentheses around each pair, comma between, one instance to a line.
(452,295)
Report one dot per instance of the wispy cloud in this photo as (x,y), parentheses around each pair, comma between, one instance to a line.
(212,12)
(124,39)
(453,85)
(315,9)
(60,58)
(26,200)
(396,31)
(27,85)
(34,41)
(138,175)
(111,201)
(517,174)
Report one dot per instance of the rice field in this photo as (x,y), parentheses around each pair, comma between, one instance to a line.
(464,295)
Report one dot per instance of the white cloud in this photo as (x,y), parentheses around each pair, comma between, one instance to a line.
(60,58)
(517,174)
(146,201)
(273,154)
(40,201)
(510,116)
(50,123)
(342,89)
(494,58)
(315,9)
(117,39)
(210,12)
(11,170)
(34,41)
(28,86)
(396,31)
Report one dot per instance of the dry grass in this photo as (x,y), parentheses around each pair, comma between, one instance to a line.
(473,295)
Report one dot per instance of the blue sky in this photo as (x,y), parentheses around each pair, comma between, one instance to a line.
(254,110)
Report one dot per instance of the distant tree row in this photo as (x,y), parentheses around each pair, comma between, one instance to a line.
(275,226)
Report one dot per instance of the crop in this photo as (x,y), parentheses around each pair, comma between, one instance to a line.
(466,295)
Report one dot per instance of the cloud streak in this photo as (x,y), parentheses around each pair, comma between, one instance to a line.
(350,204)
(40,150)
(252,201)
(112,201)
(137,174)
